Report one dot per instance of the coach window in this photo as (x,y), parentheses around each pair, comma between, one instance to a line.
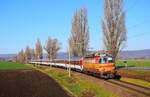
(103,60)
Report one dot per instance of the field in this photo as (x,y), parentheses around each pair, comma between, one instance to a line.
(24,76)
(12,66)
(19,80)
(135,63)
(135,74)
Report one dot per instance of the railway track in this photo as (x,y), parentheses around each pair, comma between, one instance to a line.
(142,90)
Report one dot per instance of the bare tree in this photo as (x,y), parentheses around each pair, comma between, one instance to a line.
(114,28)
(79,38)
(48,48)
(32,51)
(38,50)
(55,48)
(52,47)
(28,54)
(21,57)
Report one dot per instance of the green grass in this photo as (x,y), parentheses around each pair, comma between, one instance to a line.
(135,63)
(12,66)
(77,85)
(137,82)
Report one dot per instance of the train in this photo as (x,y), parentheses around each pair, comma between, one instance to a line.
(99,64)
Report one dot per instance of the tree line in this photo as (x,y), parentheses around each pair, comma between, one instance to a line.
(113,27)
(52,46)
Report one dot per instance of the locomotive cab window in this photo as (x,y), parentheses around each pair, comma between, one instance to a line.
(104,60)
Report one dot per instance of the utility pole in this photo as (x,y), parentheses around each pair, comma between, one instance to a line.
(69,67)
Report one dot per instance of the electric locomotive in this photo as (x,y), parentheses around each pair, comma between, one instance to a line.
(100,64)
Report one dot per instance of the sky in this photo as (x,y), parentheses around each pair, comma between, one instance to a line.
(23,21)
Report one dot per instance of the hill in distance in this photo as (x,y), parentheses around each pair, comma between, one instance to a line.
(124,55)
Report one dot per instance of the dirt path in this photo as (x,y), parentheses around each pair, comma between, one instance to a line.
(29,83)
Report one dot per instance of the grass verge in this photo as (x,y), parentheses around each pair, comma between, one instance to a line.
(78,86)
(12,66)
(137,82)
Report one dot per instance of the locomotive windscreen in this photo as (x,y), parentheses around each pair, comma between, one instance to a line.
(104,60)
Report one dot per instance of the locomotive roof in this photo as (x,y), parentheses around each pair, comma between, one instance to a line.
(98,54)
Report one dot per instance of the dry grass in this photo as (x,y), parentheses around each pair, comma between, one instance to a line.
(137,82)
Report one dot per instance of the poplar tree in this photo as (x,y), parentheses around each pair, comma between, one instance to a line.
(79,38)
(32,51)
(28,54)
(52,47)
(21,57)
(114,28)
(38,50)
